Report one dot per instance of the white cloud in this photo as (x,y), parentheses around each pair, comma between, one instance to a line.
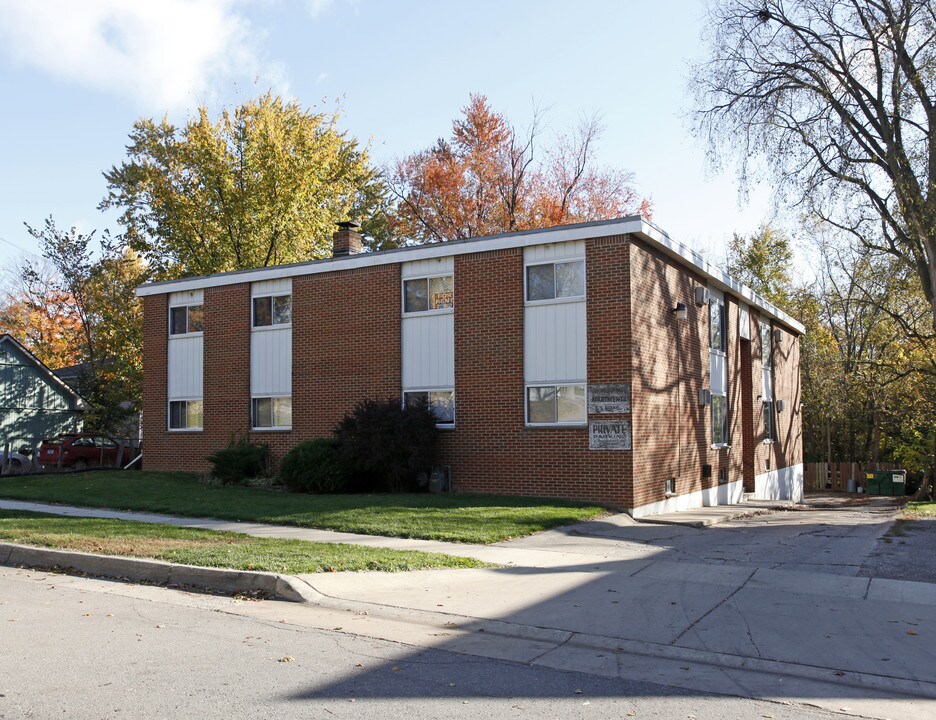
(162,54)
(317,7)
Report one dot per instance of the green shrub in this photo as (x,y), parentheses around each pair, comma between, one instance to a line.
(314,466)
(387,446)
(239,461)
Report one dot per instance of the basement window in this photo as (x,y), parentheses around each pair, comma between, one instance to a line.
(271,413)
(555,281)
(441,403)
(186,414)
(429,294)
(556,405)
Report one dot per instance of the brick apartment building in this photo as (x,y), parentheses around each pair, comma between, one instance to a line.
(600,361)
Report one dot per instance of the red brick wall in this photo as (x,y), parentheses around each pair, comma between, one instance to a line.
(491,449)
(346,347)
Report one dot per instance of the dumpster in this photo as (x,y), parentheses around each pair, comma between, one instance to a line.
(886,482)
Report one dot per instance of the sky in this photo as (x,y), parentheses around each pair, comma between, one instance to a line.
(74,76)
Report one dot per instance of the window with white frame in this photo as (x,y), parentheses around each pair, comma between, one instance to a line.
(272,310)
(271,413)
(718,345)
(719,420)
(186,319)
(766,345)
(718,326)
(555,280)
(186,414)
(770,429)
(441,403)
(428,294)
(556,405)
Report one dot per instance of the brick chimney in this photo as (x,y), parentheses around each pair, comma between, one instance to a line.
(347,239)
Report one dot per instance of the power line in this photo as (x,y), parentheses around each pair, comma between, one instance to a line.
(14,245)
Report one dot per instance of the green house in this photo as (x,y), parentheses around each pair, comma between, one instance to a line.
(34,402)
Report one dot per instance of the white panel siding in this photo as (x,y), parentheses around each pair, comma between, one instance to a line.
(555,251)
(185,367)
(271,362)
(432,266)
(429,351)
(744,321)
(186,297)
(279,286)
(555,341)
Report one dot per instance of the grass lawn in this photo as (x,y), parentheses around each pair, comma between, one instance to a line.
(453,517)
(918,510)
(209,548)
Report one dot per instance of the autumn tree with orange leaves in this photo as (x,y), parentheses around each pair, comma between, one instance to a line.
(42,316)
(489,177)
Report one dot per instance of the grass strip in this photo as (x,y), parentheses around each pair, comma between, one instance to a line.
(918,510)
(210,548)
(453,517)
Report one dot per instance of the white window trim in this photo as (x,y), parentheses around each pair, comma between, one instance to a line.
(196,333)
(427,278)
(557,384)
(556,301)
(768,439)
(440,425)
(271,326)
(169,402)
(723,445)
(271,428)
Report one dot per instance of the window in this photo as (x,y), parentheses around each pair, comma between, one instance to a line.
(441,402)
(186,319)
(553,281)
(185,414)
(718,327)
(670,486)
(766,354)
(271,412)
(769,426)
(272,310)
(556,404)
(430,293)
(723,476)
(719,420)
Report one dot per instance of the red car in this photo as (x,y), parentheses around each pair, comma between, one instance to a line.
(81,450)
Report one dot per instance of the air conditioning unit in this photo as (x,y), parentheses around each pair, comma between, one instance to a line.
(701,296)
(705,396)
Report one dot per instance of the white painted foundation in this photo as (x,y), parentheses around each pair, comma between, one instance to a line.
(780,484)
(728,494)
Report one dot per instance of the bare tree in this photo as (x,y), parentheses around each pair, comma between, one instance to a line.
(837,99)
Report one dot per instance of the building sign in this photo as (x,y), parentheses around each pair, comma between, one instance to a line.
(609,435)
(604,399)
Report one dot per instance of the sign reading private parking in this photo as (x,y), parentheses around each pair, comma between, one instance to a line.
(606,399)
(609,435)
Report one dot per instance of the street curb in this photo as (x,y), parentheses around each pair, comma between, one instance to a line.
(158,572)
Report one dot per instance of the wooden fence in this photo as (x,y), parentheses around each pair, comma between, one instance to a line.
(835,476)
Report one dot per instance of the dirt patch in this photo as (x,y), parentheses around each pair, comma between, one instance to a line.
(905,552)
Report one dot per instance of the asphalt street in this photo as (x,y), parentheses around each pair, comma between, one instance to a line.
(88,649)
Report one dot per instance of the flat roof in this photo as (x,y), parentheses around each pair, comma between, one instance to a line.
(634,225)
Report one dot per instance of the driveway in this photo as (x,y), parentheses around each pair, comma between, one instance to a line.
(833,534)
